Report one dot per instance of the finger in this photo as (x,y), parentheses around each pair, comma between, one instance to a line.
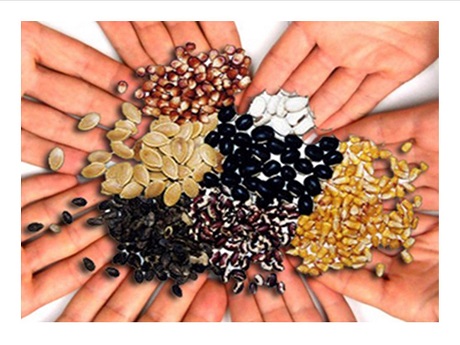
(209,304)
(183,32)
(156,41)
(334,304)
(48,211)
(74,96)
(35,150)
(425,224)
(124,39)
(68,56)
(242,306)
(36,118)
(372,90)
(335,92)
(127,301)
(169,308)
(69,273)
(297,299)
(51,247)
(92,296)
(316,68)
(279,63)
(219,34)
(42,186)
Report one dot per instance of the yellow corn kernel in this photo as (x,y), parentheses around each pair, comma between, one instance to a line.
(406,256)
(414,173)
(394,244)
(293,251)
(346,261)
(406,147)
(314,272)
(379,270)
(295,242)
(385,154)
(343,147)
(409,242)
(403,165)
(417,201)
(323,267)
(375,241)
(299,230)
(423,166)
(302,220)
(354,139)
(302,269)
(408,187)
(337,265)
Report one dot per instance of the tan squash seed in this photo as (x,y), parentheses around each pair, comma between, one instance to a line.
(131,190)
(157,175)
(111,186)
(89,121)
(131,112)
(169,129)
(151,157)
(170,168)
(191,188)
(184,172)
(56,158)
(93,170)
(186,130)
(200,170)
(197,128)
(122,150)
(155,139)
(118,134)
(208,154)
(128,125)
(179,149)
(141,174)
(166,150)
(172,194)
(194,160)
(155,188)
(100,156)
(124,173)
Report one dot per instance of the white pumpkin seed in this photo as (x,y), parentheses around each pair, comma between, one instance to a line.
(190,150)
(93,170)
(208,154)
(123,173)
(179,149)
(118,134)
(111,186)
(210,126)
(128,125)
(89,121)
(141,174)
(170,168)
(166,150)
(172,194)
(169,129)
(131,112)
(155,188)
(56,158)
(194,160)
(186,130)
(122,150)
(157,175)
(155,139)
(200,170)
(131,190)
(100,156)
(294,104)
(164,118)
(257,106)
(151,157)
(191,188)
(197,128)
(184,171)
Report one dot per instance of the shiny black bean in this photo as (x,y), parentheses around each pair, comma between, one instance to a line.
(230,179)
(275,183)
(261,152)
(226,114)
(34,227)
(289,156)
(112,271)
(262,133)
(314,153)
(303,165)
(210,180)
(176,290)
(285,195)
(66,217)
(120,258)
(312,185)
(251,183)
(230,163)
(295,187)
(328,143)
(242,154)
(212,139)
(264,189)
(288,173)
(226,146)
(226,129)
(275,146)
(244,122)
(250,167)
(138,276)
(263,202)
(293,141)
(333,157)
(322,171)
(240,193)
(104,205)
(89,264)
(305,205)
(242,139)
(79,202)
(271,168)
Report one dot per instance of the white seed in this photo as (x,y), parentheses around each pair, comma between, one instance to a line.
(197,128)
(272,105)
(122,86)
(296,103)
(55,228)
(208,154)
(100,156)
(184,172)
(93,170)
(131,112)
(304,126)
(257,106)
(280,108)
(89,121)
(56,158)
(280,126)
(131,190)
(294,118)
(186,130)
(262,120)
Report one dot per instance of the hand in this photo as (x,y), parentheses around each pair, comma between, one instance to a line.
(346,68)
(409,292)
(296,304)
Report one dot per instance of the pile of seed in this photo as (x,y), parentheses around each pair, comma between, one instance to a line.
(269,167)
(287,113)
(193,87)
(240,233)
(349,218)
(154,239)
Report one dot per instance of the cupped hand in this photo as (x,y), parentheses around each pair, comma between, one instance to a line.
(346,68)
(407,291)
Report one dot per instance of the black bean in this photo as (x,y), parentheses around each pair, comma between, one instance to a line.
(264,189)
(212,139)
(79,202)
(226,129)
(120,258)
(275,146)
(289,156)
(312,185)
(176,290)
(263,202)
(285,195)
(293,141)
(305,205)
(226,114)
(244,122)
(303,166)
(242,153)
(262,133)
(314,153)
(104,205)
(251,183)
(240,193)
(66,217)
(226,146)
(95,221)
(149,275)
(112,271)
(210,180)
(230,178)
(242,139)
(89,264)
(271,280)
(261,152)
(34,227)
(333,157)
(322,171)
(295,187)
(276,183)
(328,143)
(250,167)
(253,288)
(271,168)
(288,173)
(138,276)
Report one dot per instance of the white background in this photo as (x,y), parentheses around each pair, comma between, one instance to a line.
(254,15)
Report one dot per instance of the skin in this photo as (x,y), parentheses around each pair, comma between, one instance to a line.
(346,68)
